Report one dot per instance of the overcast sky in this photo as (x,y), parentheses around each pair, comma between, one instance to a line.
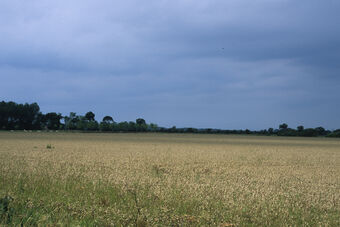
(210,63)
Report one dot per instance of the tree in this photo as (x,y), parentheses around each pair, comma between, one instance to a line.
(81,123)
(132,126)
(90,116)
(107,124)
(152,127)
(309,132)
(123,126)
(107,119)
(270,130)
(9,115)
(104,126)
(321,131)
(92,125)
(335,133)
(300,128)
(71,121)
(19,116)
(191,130)
(283,126)
(52,120)
(140,121)
(173,129)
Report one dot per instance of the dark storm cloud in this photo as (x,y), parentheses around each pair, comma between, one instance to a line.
(228,64)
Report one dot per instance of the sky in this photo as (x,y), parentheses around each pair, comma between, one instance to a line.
(230,64)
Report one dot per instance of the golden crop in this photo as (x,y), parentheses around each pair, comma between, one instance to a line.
(169,180)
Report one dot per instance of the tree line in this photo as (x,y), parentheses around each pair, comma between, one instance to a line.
(26,116)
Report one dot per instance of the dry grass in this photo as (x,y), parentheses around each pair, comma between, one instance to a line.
(169,179)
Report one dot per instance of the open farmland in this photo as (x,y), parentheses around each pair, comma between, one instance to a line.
(168,179)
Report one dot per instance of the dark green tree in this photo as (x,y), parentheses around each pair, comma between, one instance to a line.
(173,129)
(321,131)
(132,126)
(152,127)
(107,124)
(52,120)
(108,119)
(140,121)
(81,123)
(283,126)
(140,125)
(71,121)
(300,128)
(271,131)
(90,116)
(92,125)
(19,116)
(309,132)
(123,126)
(335,133)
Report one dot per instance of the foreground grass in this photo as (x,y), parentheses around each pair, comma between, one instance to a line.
(178,180)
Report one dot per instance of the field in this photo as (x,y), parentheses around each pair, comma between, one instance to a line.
(168,180)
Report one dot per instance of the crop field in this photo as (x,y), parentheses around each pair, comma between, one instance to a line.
(98,179)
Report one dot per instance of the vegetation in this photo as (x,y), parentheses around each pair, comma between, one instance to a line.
(28,117)
(105,179)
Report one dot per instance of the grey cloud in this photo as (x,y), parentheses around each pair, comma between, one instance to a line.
(228,64)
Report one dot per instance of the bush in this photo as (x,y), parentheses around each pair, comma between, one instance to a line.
(335,133)
(309,132)
(287,132)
